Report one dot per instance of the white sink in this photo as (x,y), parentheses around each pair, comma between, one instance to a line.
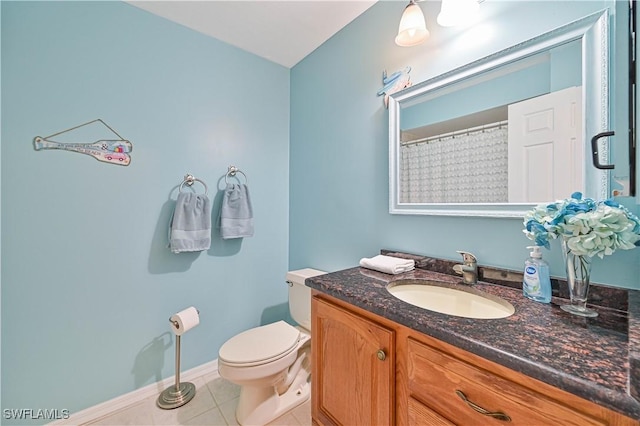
(468,303)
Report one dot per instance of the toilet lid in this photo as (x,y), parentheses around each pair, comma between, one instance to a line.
(261,344)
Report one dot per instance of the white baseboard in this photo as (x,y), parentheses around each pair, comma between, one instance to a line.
(118,403)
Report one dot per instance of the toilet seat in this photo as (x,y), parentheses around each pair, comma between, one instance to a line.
(260,345)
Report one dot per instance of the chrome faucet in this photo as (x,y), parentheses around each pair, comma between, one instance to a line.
(469,269)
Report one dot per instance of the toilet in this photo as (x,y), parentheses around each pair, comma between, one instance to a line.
(272,363)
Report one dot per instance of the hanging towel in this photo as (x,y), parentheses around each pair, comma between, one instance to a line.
(236,213)
(190,228)
(388,264)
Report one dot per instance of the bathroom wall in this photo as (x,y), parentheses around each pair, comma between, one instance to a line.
(339,149)
(88,283)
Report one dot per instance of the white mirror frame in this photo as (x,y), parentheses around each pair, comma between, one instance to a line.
(593,32)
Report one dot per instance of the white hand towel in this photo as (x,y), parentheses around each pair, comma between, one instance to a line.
(388,264)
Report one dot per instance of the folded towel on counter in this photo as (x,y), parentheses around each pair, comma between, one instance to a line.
(190,228)
(388,264)
(236,213)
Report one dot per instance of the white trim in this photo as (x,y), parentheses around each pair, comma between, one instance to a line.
(123,401)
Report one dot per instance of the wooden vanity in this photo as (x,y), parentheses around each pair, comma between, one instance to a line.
(370,369)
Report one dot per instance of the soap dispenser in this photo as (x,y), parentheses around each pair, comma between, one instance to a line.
(536,284)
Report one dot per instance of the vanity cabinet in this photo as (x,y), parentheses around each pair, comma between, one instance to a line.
(353,367)
(419,380)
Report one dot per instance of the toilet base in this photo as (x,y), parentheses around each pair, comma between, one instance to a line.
(260,405)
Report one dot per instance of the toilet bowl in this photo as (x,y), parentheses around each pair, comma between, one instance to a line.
(272,363)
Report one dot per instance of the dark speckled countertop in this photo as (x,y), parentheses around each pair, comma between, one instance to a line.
(597,358)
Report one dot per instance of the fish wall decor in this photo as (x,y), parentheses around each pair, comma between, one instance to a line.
(394,83)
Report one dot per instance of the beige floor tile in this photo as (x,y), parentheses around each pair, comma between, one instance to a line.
(288,419)
(203,401)
(303,413)
(214,404)
(212,417)
(137,414)
(222,390)
(228,410)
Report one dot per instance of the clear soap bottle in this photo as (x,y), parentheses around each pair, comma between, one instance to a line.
(536,284)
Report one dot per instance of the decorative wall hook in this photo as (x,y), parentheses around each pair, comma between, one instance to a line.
(113,151)
(394,83)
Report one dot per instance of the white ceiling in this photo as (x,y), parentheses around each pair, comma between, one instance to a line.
(278,30)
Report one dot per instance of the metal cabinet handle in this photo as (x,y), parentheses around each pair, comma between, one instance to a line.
(495,414)
(594,151)
(381,355)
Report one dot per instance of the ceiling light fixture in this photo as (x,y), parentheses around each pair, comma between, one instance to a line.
(458,12)
(413,29)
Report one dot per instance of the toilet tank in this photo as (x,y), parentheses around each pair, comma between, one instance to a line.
(300,295)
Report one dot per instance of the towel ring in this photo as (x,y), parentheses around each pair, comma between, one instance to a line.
(232,172)
(189,180)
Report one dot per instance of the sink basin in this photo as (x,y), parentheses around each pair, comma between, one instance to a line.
(468,303)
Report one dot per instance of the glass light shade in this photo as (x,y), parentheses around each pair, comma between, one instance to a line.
(457,12)
(412,29)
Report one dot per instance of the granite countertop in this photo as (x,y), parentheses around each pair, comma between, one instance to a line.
(595,358)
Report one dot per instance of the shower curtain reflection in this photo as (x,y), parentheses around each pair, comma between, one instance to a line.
(474,169)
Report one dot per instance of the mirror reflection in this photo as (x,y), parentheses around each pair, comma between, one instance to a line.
(499,135)
(506,136)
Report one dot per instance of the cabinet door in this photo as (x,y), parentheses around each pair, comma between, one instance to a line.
(352,368)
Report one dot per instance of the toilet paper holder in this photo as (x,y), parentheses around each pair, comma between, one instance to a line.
(175,323)
(181,392)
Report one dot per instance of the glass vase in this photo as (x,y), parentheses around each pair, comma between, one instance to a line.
(578,277)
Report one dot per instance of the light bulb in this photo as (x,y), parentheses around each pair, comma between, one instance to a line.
(412,29)
(457,12)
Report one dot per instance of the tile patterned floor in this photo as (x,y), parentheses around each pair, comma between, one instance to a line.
(214,404)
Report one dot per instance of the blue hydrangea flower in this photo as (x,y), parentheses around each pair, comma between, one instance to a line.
(590,228)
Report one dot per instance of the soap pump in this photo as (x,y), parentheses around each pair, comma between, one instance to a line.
(536,284)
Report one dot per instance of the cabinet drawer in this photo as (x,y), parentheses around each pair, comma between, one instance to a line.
(419,414)
(435,377)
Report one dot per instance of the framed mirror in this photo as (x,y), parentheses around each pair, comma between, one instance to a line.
(499,135)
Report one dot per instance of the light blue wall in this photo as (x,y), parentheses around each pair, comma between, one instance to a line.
(88,284)
(339,133)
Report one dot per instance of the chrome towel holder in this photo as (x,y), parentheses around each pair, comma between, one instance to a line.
(232,171)
(190,180)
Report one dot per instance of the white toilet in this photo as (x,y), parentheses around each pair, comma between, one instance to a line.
(272,362)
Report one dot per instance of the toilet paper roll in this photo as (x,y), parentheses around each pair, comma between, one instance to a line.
(184,320)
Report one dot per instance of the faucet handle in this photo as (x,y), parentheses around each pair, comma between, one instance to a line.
(467,257)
